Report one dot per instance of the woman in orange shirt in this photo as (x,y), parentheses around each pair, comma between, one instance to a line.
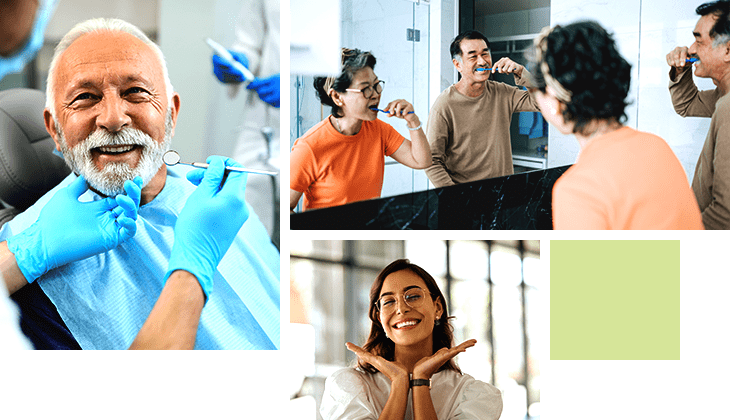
(342,158)
(623,178)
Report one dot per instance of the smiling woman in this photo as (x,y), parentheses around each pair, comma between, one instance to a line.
(406,368)
(342,159)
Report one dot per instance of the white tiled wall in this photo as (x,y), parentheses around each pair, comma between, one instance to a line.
(645,31)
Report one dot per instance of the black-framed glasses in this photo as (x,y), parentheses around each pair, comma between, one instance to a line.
(413,298)
(370,90)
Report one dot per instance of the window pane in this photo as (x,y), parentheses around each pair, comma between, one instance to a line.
(506,268)
(327,316)
(533,272)
(469,307)
(508,348)
(429,255)
(535,324)
(377,253)
(331,250)
(468,260)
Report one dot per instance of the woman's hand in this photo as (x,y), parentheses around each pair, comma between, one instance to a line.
(402,109)
(393,370)
(399,108)
(427,366)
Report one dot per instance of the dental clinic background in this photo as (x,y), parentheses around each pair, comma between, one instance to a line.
(493,290)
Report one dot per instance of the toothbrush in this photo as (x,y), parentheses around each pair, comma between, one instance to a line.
(218,48)
(376,109)
(483,69)
(692,60)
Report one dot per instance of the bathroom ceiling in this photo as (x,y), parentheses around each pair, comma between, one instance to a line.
(491,7)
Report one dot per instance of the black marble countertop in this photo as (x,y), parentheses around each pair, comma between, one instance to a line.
(521,201)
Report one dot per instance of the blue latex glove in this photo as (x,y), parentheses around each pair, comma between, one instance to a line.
(209,222)
(227,73)
(68,230)
(268,89)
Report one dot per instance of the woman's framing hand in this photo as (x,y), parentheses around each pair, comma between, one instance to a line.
(427,366)
(393,370)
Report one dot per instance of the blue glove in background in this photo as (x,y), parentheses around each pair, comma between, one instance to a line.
(209,221)
(268,89)
(227,73)
(68,230)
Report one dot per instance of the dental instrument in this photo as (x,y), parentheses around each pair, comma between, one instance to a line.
(223,53)
(172,158)
(692,60)
(483,69)
(377,109)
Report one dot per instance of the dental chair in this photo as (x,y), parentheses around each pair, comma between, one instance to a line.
(28,167)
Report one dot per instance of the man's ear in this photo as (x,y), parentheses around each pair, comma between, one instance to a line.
(457,64)
(726,52)
(174,110)
(51,127)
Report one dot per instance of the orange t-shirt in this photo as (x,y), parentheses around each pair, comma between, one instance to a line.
(332,169)
(625,179)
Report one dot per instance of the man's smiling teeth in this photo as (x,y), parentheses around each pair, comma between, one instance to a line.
(406,323)
(116,149)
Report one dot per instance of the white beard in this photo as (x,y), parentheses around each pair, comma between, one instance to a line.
(110,180)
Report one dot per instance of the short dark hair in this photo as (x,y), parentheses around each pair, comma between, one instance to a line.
(456,43)
(721,9)
(583,58)
(379,344)
(353,60)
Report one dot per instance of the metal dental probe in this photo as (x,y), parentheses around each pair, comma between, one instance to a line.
(172,158)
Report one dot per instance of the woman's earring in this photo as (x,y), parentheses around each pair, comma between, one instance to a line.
(437,322)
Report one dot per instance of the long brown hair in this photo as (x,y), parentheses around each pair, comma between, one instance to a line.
(380,345)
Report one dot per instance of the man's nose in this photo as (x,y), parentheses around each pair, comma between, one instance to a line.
(113,115)
(692,48)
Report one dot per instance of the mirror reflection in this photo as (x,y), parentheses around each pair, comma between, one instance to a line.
(475,143)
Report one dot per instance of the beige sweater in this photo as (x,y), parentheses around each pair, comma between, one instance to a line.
(470,137)
(711,182)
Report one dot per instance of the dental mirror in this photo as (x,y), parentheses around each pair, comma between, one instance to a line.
(172,158)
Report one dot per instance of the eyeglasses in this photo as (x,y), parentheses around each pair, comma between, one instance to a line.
(413,298)
(368,91)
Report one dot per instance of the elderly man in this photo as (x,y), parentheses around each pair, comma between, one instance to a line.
(711,183)
(468,126)
(111,111)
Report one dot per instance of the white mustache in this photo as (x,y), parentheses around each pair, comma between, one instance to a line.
(127,136)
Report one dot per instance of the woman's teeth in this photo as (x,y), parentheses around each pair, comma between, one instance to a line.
(406,323)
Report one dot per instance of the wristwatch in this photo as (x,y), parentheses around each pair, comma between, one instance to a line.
(421,382)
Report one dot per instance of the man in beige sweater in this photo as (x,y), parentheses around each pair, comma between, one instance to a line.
(711,183)
(468,126)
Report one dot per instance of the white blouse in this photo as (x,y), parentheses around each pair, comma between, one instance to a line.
(351,394)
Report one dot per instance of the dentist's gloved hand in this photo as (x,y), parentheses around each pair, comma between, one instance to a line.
(227,73)
(268,89)
(209,222)
(68,230)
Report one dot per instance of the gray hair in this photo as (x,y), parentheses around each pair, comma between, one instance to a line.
(720,39)
(99,25)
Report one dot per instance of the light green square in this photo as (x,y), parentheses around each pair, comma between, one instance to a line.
(614,300)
